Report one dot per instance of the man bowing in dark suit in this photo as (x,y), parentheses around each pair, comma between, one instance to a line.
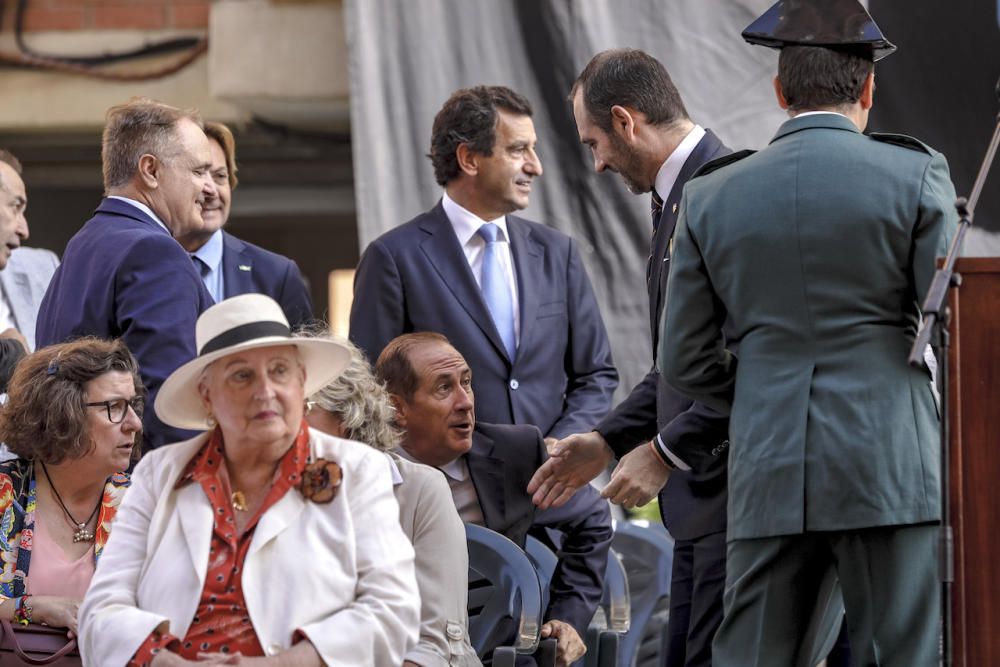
(123,275)
(230,266)
(631,117)
(512,295)
(488,467)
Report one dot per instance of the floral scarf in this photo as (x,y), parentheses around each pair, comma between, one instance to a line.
(17,520)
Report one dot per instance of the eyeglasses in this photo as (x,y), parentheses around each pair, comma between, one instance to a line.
(117,408)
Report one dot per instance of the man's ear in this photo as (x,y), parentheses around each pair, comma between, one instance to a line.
(400,406)
(149,171)
(868,92)
(780,94)
(468,159)
(623,123)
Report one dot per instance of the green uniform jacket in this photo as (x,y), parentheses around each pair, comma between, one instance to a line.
(818,249)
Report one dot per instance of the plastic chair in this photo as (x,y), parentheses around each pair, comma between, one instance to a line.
(648,557)
(504,593)
(602,642)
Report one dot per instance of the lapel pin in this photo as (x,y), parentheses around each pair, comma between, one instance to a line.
(673,209)
(243,267)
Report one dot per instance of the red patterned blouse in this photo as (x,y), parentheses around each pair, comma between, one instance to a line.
(221,624)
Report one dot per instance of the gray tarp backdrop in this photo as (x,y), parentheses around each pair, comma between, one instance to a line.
(407,56)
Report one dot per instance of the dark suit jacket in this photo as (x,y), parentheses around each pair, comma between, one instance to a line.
(692,504)
(250,269)
(124,276)
(502,460)
(416,278)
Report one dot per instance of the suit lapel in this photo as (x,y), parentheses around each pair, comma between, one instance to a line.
(277,518)
(487,473)
(446,256)
(17,288)
(196,523)
(529,267)
(709,148)
(237,267)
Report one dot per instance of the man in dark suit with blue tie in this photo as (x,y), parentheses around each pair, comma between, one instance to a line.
(230,266)
(123,275)
(631,117)
(511,295)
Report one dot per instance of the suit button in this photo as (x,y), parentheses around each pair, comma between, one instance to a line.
(274,649)
(455,631)
(514,384)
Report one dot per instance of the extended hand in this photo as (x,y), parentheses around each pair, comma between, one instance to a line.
(637,478)
(569,646)
(573,462)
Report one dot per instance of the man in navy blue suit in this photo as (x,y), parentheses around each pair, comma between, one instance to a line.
(511,295)
(630,115)
(123,274)
(488,467)
(230,266)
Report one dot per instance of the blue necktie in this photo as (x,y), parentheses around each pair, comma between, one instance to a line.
(496,290)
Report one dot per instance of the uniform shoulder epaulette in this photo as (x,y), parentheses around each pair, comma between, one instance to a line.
(902,140)
(720,162)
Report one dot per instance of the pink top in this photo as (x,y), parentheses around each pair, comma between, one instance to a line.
(52,573)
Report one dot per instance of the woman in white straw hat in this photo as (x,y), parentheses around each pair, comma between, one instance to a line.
(260,537)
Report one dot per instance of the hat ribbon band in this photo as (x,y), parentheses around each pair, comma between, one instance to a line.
(243,334)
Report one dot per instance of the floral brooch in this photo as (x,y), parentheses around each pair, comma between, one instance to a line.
(321,481)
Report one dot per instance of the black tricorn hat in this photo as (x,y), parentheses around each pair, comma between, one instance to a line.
(834,24)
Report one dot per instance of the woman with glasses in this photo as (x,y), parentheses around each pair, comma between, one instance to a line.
(72,418)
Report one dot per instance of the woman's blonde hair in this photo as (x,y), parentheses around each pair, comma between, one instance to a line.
(358,399)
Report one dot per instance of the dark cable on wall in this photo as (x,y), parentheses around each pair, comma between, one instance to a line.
(155,48)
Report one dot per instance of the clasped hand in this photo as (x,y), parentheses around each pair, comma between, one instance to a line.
(577,459)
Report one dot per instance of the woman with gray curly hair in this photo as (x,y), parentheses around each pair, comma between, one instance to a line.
(356,406)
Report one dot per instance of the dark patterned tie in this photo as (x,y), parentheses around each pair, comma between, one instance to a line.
(656,210)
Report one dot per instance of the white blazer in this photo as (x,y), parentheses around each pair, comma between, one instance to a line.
(341,572)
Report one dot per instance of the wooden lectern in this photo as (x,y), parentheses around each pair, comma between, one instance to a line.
(974,418)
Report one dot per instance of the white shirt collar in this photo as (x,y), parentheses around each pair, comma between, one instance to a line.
(456,470)
(466,223)
(816,113)
(397,477)
(211,252)
(142,207)
(671,168)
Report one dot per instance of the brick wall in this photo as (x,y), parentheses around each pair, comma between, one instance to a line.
(110,15)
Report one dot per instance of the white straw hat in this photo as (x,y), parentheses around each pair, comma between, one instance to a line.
(241,323)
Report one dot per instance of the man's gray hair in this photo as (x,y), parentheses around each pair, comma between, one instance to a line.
(139,127)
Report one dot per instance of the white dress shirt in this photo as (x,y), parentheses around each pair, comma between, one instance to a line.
(466,224)
(211,254)
(6,313)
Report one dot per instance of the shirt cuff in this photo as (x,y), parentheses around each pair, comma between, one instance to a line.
(154,643)
(670,455)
